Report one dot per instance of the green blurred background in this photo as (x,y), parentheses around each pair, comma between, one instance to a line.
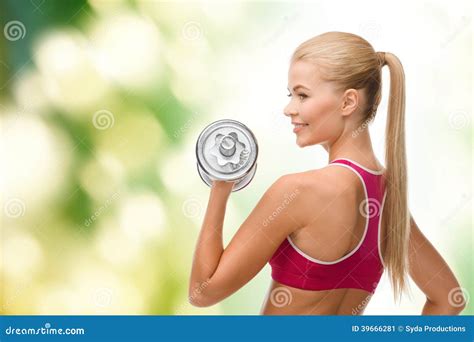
(101,103)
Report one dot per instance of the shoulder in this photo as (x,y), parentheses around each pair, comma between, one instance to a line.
(286,186)
(312,190)
(298,189)
(321,182)
(293,183)
(305,195)
(288,182)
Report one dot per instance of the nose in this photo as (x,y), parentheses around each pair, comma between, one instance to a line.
(289,110)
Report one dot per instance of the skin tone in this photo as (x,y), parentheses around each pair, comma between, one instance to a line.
(330,115)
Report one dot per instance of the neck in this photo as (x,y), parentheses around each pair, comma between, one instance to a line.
(357,146)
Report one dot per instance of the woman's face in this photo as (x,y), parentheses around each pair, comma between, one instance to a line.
(315,103)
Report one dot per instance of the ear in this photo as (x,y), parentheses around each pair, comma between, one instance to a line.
(350,102)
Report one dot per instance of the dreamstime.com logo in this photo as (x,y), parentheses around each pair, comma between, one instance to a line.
(103,119)
(14,208)
(101,209)
(281,296)
(46,330)
(14,30)
(369,208)
(288,199)
(458,297)
(192,207)
(198,290)
(192,30)
(362,127)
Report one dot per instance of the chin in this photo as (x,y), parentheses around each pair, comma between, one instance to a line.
(301,143)
(305,142)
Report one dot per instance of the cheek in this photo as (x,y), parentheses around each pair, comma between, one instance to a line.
(324,122)
(323,118)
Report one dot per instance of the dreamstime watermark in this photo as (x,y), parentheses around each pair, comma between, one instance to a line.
(459,120)
(280,31)
(103,297)
(288,199)
(465,21)
(37,4)
(46,330)
(369,208)
(362,127)
(101,209)
(192,30)
(280,297)
(361,306)
(103,119)
(192,207)
(14,208)
(14,30)
(359,309)
(198,290)
(184,128)
(458,297)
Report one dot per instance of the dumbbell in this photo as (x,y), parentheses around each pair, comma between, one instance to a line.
(227,150)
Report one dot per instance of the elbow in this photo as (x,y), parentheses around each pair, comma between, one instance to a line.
(443,308)
(457,299)
(199,301)
(459,309)
(198,297)
(453,302)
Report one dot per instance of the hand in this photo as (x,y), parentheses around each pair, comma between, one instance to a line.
(223,186)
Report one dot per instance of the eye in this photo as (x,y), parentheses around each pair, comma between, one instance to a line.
(302,96)
(289,95)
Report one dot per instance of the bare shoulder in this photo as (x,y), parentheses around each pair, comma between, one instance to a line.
(318,185)
(322,182)
(304,194)
(289,185)
(301,182)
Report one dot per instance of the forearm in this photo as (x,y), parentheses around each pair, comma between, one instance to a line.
(210,246)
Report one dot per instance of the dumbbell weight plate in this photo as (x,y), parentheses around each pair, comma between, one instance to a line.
(227,150)
(239,185)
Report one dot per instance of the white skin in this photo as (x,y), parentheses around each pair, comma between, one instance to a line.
(332,116)
(320,219)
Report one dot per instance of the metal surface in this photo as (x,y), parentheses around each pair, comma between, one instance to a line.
(227,150)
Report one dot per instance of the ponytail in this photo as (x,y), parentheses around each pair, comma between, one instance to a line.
(396,217)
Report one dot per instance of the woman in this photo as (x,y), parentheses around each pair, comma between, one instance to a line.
(329,233)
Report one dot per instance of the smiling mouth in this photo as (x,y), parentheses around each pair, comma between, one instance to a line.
(299,127)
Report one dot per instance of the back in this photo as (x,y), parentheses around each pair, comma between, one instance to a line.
(333,264)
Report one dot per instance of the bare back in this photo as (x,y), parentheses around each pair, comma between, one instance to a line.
(329,234)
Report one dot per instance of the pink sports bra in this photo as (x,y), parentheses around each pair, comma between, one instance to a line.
(359,269)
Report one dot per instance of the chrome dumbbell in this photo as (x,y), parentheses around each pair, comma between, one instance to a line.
(227,150)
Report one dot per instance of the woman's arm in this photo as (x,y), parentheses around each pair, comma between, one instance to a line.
(210,245)
(433,276)
(218,272)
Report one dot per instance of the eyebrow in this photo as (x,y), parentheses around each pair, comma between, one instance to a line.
(298,86)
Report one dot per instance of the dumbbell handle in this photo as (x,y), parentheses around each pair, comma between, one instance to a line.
(227,146)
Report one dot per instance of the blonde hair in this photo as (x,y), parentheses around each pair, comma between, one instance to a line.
(350,62)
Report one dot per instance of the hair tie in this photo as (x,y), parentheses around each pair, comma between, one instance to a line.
(381,57)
